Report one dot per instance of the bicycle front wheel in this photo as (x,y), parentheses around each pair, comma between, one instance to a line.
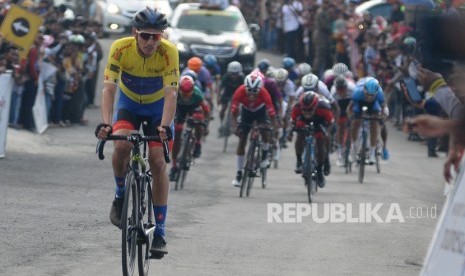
(362,158)
(308,176)
(184,163)
(128,225)
(378,159)
(143,248)
(255,157)
(248,171)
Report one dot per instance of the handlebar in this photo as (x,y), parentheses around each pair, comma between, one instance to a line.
(134,138)
(310,129)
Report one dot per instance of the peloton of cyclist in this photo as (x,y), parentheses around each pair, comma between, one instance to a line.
(310,108)
(256,107)
(190,103)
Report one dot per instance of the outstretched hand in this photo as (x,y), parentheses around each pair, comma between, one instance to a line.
(430,126)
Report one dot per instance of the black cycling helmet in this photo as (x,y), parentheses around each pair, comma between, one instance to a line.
(149,18)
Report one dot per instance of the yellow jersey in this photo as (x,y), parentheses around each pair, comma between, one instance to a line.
(142,80)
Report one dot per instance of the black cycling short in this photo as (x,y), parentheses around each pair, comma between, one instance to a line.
(248,118)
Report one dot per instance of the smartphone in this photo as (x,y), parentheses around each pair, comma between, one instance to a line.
(412,90)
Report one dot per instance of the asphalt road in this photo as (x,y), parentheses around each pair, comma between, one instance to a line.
(56,196)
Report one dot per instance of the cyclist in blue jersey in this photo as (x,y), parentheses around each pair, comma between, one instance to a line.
(367,93)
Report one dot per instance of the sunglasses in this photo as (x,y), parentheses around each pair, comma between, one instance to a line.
(253,91)
(147,36)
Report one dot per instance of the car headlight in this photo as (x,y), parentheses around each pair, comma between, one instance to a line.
(181,47)
(246,49)
(112,8)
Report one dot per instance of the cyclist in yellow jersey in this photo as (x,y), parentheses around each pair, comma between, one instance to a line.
(144,69)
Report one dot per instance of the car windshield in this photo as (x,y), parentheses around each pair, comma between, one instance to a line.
(211,21)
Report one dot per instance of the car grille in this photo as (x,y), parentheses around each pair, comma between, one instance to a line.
(218,51)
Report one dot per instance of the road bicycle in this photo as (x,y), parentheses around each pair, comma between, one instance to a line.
(252,167)
(363,154)
(309,161)
(137,218)
(186,155)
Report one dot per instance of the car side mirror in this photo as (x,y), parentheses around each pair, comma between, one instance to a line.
(254,27)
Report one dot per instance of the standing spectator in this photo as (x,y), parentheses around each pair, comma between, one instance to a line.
(269,32)
(292,28)
(57,106)
(322,39)
(339,36)
(370,55)
(94,55)
(12,63)
(30,86)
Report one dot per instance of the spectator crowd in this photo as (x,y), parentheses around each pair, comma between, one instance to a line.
(62,64)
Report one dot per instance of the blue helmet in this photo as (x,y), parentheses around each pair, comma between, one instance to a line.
(210,60)
(288,62)
(263,65)
(372,86)
(149,18)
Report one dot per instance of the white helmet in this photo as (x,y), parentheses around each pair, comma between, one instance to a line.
(309,82)
(234,67)
(304,69)
(253,82)
(349,74)
(340,69)
(281,75)
(327,74)
(271,73)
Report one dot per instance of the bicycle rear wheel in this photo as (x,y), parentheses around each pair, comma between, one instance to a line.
(143,248)
(128,225)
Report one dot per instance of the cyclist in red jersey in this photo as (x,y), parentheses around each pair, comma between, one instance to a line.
(310,109)
(256,107)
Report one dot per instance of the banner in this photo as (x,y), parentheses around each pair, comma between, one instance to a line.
(39,110)
(6,83)
(20,27)
(446,254)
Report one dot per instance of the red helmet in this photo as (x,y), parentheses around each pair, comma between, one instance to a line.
(186,85)
(308,101)
(195,63)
